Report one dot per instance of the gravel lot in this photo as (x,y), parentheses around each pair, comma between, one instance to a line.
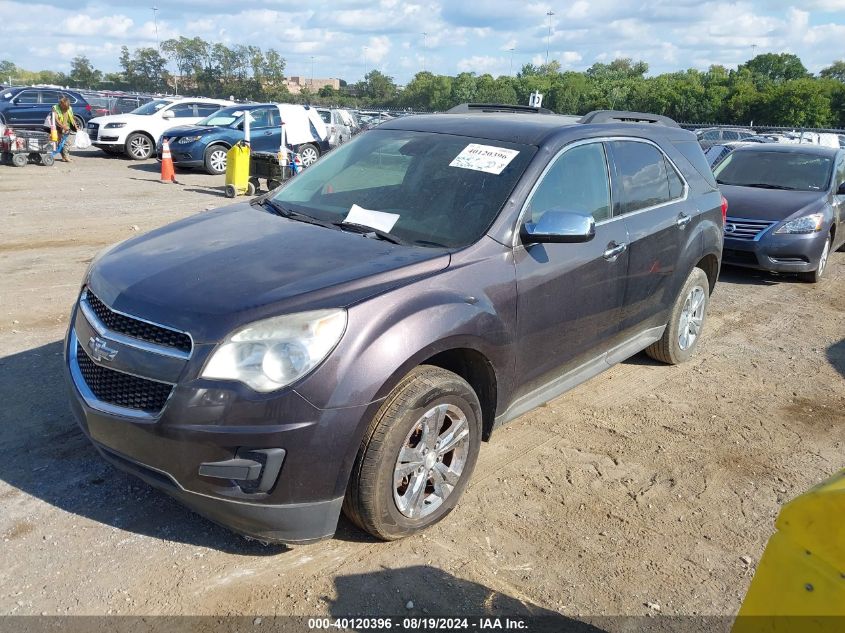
(648,484)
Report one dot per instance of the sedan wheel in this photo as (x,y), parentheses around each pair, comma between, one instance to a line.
(816,275)
(309,155)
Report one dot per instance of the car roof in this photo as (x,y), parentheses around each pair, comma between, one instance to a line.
(525,128)
(788,148)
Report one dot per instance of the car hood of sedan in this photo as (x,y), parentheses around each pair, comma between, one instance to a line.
(212,272)
(755,203)
(192,130)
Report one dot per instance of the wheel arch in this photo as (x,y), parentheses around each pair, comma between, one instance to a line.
(710,265)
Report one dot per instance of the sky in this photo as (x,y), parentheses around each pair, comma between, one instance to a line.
(345,38)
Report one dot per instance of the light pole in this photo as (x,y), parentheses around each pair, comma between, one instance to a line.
(549,13)
(155,21)
(364,77)
(312,73)
(511,70)
(425,48)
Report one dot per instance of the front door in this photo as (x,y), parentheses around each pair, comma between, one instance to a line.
(265,129)
(24,111)
(569,295)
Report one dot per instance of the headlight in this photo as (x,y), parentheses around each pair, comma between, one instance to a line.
(807,224)
(112,126)
(188,139)
(270,354)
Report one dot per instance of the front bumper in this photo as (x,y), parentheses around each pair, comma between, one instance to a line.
(776,252)
(183,155)
(206,422)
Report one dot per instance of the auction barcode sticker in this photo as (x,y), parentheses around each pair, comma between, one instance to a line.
(485,158)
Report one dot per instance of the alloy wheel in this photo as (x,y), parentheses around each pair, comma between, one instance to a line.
(431,461)
(217,160)
(823,258)
(309,156)
(140,147)
(692,317)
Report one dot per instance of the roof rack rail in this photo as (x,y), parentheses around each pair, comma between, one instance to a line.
(623,116)
(497,107)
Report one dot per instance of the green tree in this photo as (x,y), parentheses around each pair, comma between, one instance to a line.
(776,67)
(799,103)
(83,74)
(835,71)
(464,89)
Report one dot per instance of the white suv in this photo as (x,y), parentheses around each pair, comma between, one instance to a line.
(136,133)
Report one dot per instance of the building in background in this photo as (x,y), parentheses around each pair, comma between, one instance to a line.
(296,84)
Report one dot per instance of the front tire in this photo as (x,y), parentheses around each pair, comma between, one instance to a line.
(686,321)
(417,455)
(214,160)
(816,275)
(139,146)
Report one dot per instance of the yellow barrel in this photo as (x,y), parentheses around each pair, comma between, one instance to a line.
(800,581)
(237,171)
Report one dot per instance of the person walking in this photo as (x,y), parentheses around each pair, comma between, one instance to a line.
(63,114)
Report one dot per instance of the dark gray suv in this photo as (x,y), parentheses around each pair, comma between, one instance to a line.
(348,340)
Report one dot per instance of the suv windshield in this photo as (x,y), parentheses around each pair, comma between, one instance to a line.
(439,189)
(775,170)
(152,107)
(223,117)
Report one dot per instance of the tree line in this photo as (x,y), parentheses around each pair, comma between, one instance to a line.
(769,89)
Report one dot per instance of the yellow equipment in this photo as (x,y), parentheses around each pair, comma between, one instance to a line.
(799,585)
(237,171)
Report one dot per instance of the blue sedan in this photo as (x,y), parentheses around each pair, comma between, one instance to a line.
(205,143)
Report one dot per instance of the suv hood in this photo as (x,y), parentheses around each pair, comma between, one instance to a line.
(213,272)
(754,203)
(192,130)
(119,118)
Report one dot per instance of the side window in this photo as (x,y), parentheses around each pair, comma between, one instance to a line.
(70,98)
(576,182)
(641,172)
(260,117)
(183,110)
(27,97)
(50,96)
(712,135)
(730,135)
(676,185)
(207,109)
(840,172)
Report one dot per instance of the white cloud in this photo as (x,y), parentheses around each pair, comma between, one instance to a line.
(482,64)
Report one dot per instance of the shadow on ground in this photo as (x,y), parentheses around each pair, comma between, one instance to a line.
(751,277)
(431,592)
(45,454)
(836,356)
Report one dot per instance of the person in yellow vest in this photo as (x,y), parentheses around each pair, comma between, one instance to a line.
(64,121)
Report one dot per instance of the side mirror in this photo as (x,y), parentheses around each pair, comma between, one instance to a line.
(168,114)
(559,227)
(841,190)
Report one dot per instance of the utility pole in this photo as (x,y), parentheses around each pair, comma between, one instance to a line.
(753,51)
(312,73)
(425,48)
(155,21)
(549,13)
(511,70)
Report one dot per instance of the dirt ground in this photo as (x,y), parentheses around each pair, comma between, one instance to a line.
(647,485)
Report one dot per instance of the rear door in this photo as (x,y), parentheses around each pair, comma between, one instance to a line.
(651,197)
(48,98)
(570,296)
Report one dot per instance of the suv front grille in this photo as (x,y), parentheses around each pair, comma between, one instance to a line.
(142,330)
(122,390)
(748,230)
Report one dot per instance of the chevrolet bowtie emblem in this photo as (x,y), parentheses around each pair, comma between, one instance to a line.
(100,349)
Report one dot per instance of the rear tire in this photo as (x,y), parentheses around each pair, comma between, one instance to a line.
(686,321)
(417,455)
(80,124)
(19,160)
(47,160)
(214,160)
(309,154)
(815,276)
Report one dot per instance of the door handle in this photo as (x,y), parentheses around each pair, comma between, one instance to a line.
(683,220)
(614,250)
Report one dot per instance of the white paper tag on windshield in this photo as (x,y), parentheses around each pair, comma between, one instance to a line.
(374,219)
(485,158)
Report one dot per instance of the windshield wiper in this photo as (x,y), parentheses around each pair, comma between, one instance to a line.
(365,230)
(765,185)
(290,214)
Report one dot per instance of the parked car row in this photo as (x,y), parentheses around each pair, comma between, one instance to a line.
(29,106)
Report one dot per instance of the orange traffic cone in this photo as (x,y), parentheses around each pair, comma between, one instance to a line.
(168,174)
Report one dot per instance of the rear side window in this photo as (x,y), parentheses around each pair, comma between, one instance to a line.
(206,109)
(51,96)
(692,152)
(183,110)
(576,182)
(712,135)
(641,175)
(676,184)
(730,135)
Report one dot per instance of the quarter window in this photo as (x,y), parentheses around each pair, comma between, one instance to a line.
(577,182)
(676,185)
(642,176)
